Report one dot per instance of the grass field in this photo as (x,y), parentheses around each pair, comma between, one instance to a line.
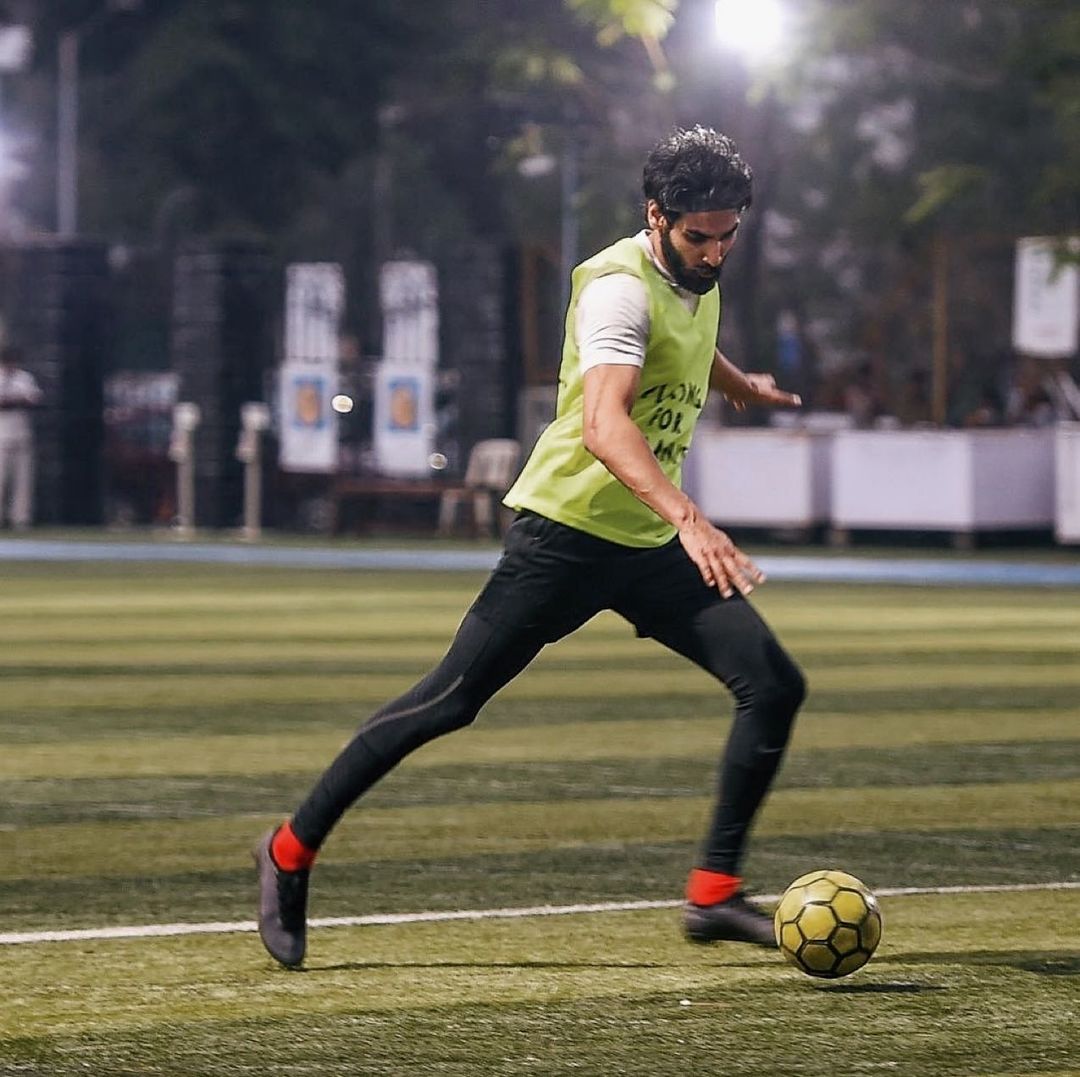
(155,720)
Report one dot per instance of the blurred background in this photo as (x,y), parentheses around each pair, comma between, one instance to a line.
(280,265)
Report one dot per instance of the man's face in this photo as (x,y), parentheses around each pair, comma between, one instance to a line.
(693,249)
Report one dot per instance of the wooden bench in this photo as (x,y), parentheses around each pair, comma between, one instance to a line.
(363,492)
(492,465)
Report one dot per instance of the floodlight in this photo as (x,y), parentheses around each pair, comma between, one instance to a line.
(16,48)
(753,28)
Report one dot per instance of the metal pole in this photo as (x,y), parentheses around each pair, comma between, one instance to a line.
(253,489)
(185,491)
(570,226)
(186,417)
(67,134)
(382,191)
(254,419)
(940,321)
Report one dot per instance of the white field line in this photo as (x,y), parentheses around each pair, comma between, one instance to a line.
(153,931)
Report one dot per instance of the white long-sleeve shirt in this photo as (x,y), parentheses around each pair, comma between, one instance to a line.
(18,393)
(612,322)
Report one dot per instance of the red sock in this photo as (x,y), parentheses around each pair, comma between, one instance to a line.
(709,887)
(289,852)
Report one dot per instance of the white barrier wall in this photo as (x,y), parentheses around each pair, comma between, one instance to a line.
(1067,453)
(762,478)
(959,481)
(949,480)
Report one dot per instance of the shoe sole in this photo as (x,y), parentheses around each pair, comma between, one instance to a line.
(708,940)
(267,874)
(701,932)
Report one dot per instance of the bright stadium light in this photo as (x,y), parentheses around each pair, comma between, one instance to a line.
(753,28)
(16,48)
(9,168)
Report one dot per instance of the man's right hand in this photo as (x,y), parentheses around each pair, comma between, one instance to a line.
(721,563)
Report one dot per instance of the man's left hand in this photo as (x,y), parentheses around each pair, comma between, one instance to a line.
(760,389)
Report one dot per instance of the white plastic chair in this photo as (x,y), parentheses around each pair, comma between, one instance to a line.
(492,466)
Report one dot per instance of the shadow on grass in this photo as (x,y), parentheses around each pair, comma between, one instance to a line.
(1040,962)
(363,966)
(880,988)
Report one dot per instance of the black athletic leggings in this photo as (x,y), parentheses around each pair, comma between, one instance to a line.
(510,623)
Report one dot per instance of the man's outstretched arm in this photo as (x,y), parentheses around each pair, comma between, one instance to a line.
(614,439)
(742,390)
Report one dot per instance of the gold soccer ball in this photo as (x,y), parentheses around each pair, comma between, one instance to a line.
(828,924)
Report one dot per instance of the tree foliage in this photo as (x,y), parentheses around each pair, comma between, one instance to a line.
(645,19)
(351,130)
(917,124)
(244,102)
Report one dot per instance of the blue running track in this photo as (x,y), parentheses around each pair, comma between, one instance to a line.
(916,570)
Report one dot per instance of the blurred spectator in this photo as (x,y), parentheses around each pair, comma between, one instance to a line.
(861,398)
(913,399)
(987,410)
(19,395)
(1027,402)
(1030,406)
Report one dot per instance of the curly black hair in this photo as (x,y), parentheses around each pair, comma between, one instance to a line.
(697,170)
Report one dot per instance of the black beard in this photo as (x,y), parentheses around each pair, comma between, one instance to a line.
(700,282)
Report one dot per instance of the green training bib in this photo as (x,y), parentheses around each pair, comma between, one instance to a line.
(562,479)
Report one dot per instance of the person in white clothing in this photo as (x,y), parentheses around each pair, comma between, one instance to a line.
(19,395)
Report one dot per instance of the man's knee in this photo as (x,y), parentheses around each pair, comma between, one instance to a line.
(792,688)
(772,681)
(430,710)
(773,694)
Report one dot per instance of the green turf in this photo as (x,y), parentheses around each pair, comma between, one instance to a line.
(56,800)
(156,718)
(629,739)
(87,721)
(615,994)
(649,870)
(416,833)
